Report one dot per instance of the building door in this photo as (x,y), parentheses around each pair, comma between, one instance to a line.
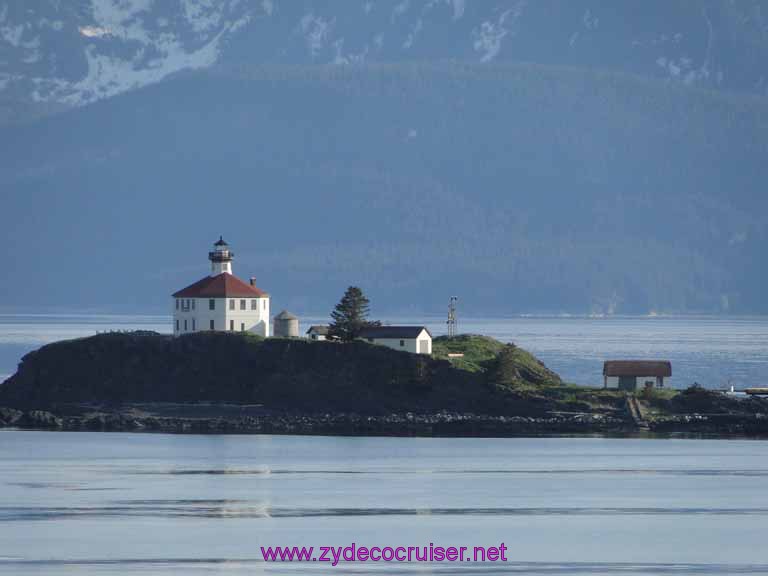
(627,382)
(423,346)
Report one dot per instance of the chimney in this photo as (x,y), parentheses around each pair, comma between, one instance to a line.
(253,280)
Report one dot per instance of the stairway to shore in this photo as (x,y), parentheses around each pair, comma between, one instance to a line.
(635,412)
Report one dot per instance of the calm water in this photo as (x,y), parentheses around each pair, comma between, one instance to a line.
(711,351)
(95,503)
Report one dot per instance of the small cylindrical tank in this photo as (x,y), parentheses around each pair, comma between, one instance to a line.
(286,325)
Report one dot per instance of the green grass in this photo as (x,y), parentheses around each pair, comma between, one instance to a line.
(479,351)
(656,401)
(505,364)
(651,394)
(519,366)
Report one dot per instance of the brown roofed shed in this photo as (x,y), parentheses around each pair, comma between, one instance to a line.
(656,368)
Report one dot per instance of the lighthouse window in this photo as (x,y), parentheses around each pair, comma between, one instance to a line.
(254,304)
(177,303)
(211,306)
(242,327)
(231,304)
(177,325)
(193,304)
(211,324)
(185,325)
(232,324)
(242,304)
(193,323)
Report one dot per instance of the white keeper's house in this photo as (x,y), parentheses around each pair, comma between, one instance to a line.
(221,301)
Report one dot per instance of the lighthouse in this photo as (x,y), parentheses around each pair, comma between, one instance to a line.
(221,301)
(221,258)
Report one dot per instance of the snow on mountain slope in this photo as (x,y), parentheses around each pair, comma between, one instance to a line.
(76,53)
(73,52)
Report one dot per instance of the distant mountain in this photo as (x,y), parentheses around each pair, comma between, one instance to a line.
(517,187)
(56,54)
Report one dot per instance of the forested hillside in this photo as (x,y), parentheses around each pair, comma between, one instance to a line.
(517,187)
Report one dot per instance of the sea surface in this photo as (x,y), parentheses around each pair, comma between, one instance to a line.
(716,352)
(109,504)
(154,504)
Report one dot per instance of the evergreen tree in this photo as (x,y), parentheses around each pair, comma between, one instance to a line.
(350,315)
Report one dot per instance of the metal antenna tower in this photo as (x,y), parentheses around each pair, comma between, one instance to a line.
(452,322)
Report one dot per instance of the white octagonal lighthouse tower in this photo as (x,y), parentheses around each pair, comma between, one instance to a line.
(221,301)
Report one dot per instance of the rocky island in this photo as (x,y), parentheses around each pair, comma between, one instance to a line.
(211,382)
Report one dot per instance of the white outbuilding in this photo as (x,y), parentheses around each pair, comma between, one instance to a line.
(415,339)
(317,332)
(221,301)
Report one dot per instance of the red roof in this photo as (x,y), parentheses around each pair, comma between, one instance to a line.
(222,286)
(637,368)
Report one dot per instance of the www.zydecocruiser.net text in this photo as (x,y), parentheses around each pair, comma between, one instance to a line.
(355,553)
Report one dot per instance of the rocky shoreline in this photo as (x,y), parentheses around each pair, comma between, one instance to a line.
(216,383)
(726,425)
(442,424)
(347,424)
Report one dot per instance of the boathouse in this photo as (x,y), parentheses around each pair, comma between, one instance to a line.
(635,374)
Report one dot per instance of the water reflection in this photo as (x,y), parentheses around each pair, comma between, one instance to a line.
(93,504)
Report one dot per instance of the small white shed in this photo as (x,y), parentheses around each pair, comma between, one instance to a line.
(414,339)
(317,332)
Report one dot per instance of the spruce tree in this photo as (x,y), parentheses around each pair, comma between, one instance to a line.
(350,315)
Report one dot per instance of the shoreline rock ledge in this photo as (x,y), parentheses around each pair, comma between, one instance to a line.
(234,383)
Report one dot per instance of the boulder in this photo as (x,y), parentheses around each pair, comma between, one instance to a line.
(39,419)
(9,416)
